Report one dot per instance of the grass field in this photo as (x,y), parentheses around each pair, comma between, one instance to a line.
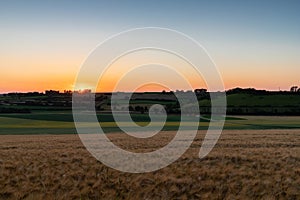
(245,164)
(62,122)
(250,100)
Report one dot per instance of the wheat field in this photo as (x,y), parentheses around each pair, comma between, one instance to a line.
(245,164)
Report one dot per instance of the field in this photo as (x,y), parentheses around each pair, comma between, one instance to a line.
(41,157)
(58,122)
(239,102)
(245,164)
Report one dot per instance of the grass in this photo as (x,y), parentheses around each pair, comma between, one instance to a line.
(258,104)
(36,108)
(263,100)
(251,100)
(68,117)
(62,123)
(10,125)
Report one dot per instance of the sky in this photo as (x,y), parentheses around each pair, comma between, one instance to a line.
(44,43)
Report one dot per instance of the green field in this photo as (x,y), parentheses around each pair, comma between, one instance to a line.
(62,122)
(263,100)
(260,104)
(245,111)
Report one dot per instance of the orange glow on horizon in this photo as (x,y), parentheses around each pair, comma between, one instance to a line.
(26,74)
(149,88)
(31,84)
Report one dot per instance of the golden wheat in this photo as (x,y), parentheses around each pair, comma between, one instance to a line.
(245,164)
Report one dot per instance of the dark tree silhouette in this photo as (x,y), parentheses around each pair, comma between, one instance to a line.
(294,88)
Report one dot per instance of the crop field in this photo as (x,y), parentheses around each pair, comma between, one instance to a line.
(44,122)
(245,164)
(41,157)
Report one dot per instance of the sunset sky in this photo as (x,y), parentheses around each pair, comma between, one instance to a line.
(253,43)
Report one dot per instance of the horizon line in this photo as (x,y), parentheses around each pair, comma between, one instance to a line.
(177,90)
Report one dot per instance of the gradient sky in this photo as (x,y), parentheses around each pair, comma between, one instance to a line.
(253,43)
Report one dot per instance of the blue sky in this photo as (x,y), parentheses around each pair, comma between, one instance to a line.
(254,43)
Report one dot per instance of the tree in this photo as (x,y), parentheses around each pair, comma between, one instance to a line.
(294,88)
(140,109)
(131,108)
(200,91)
(146,109)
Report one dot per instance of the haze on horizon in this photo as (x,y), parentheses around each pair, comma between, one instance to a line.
(254,43)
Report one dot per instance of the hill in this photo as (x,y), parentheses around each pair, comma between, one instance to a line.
(239,102)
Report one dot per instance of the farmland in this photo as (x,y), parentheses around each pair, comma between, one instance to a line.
(62,122)
(245,164)
(256,157)
(239,102)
